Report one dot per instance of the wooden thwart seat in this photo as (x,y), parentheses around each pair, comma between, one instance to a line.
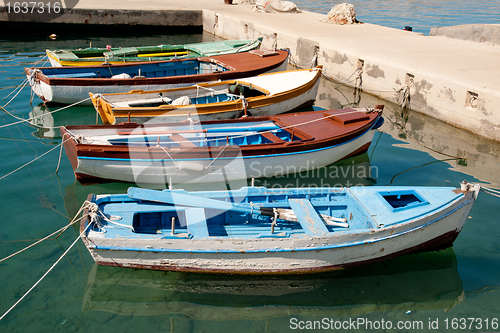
(271,137)
(309,219)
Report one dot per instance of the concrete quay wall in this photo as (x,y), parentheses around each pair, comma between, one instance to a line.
(452,80)
(456,81)
(480,33)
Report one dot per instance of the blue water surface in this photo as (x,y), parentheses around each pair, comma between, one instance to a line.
(421,15)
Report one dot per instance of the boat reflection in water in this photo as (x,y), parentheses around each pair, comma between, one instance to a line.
(47,122)
(353,171)
(468,153)
(425,281)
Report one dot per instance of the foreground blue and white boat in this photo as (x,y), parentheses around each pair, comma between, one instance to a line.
(256,230)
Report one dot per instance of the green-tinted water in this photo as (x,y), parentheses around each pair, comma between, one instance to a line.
(77,296)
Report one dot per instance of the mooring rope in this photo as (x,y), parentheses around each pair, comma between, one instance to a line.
(166,152)
(21,86)
(111,220)
(341,81)
(33,160)
(222,150)
(25,82)
(46,273)
(45,57)
(495,193)
(290,58)
(60,152)
(75,220)
(85,204)
(357,71)
(21,120)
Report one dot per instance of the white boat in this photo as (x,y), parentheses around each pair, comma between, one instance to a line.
(72,84)
(219,150)
(256,230)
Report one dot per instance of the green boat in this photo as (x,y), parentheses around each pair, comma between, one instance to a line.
(92,56)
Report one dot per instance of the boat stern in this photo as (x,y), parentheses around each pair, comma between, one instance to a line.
(435,215)
(53,58)
(103,108)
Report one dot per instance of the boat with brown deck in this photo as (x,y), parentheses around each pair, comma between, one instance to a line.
(213,151)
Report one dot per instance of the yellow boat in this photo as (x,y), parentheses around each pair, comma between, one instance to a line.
(266,94)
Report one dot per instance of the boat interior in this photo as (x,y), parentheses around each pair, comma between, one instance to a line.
(190,96)
(362,209)
(151,51)
(149,70)
(144,51)
(252,133)
(163,221)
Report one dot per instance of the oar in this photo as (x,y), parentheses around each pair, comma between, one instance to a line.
(176,198)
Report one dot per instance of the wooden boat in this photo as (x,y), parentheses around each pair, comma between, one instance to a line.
(256,230)
(93,56)
(72,84)
(262,95)
(214,151)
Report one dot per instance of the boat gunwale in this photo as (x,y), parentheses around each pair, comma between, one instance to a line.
(440,242)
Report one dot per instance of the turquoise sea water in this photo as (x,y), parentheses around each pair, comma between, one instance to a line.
(434,289)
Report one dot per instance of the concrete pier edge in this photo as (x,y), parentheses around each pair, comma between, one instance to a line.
(453,80)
